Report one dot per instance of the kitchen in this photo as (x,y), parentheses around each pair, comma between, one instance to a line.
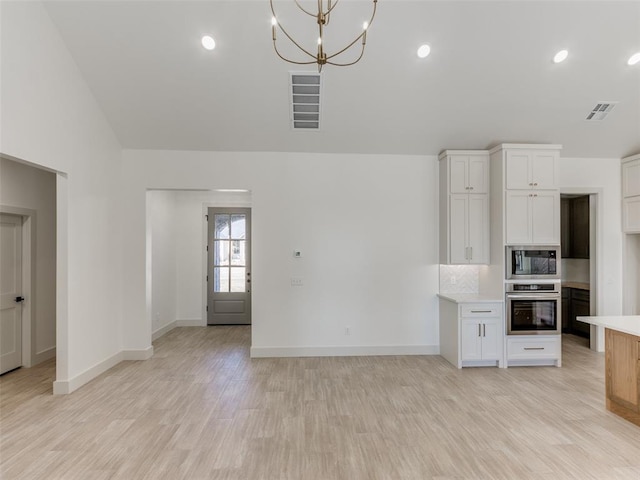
(484,286)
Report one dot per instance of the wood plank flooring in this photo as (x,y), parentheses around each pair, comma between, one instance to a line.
(202,409)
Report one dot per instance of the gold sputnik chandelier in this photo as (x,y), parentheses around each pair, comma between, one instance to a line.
(322,16)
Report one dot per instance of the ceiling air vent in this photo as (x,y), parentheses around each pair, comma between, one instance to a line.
(305,101)
(601,110)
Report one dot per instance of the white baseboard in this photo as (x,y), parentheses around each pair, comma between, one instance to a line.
(344,351)
(163,330)
(193,322)
(44,355)
(62,387)
(143,354)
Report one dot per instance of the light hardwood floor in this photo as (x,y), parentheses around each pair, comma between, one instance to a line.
(202,409)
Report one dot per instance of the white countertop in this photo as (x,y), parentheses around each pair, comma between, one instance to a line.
(470,298)
(627,324)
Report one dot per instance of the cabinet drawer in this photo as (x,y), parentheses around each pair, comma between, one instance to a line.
(481,310)
(533,348)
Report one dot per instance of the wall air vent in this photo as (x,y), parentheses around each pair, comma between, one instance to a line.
(305,101)
(601,110)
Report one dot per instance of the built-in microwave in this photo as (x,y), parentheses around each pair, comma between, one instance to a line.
(533,262)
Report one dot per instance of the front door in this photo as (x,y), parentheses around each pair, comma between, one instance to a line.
(10,292)
(229,266)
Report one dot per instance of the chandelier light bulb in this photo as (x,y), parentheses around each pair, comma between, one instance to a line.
(274,22)
(561,56)
(633,59)
(319,41)
(365,25)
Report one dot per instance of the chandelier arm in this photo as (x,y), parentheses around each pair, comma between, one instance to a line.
(290,61)
(348,64)
(294,42)
(373,14)
(301,8)
(331,7)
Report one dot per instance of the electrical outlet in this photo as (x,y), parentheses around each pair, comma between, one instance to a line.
(296,282)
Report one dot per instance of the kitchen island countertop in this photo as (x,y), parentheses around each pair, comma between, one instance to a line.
(624,323)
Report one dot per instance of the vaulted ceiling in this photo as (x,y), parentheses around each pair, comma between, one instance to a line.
(489,78)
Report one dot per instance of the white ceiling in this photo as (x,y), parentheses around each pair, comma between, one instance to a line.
(489,78)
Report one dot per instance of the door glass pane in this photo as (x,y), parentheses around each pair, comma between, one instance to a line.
(221,252)
(237,279)
(222,226)
(238,253)
(238,226)
(221,279)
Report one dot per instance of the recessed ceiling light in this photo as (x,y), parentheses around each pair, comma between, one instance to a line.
(561,56)
(208,42)
(633,59)
(424,51)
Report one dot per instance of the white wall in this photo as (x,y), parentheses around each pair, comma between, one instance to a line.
(50,118)
(34,189)
(162,241)
(603,175)
(575,270)
(367,227)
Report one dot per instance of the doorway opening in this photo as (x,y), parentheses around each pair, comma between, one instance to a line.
(578,261)
(28,317)
(179,270)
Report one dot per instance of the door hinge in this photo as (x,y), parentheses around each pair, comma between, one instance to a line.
(207,248)
(207,217)
(207,278)
(207,308)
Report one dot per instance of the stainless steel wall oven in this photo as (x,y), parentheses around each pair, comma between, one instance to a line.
(533,308)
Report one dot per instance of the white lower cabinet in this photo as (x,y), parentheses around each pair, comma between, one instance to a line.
(525,350)
(472,334)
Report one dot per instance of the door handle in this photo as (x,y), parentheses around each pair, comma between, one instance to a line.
(19,299)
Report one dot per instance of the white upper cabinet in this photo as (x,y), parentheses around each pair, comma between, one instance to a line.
(531,193)
(631,177)
(464,207)
(469,173)
(531,169)
(532,217)
(631,194)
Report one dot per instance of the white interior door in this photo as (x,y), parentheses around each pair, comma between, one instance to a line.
(10,292)
(229,266)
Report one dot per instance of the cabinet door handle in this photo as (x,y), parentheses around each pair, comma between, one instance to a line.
(535,184)
(480,311)
(479,330)
(470,253)
(534,348)
(484,330)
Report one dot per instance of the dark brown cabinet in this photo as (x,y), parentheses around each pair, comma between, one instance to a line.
(575,303)
(574,227)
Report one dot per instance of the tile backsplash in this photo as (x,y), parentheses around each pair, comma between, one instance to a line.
(459,278)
